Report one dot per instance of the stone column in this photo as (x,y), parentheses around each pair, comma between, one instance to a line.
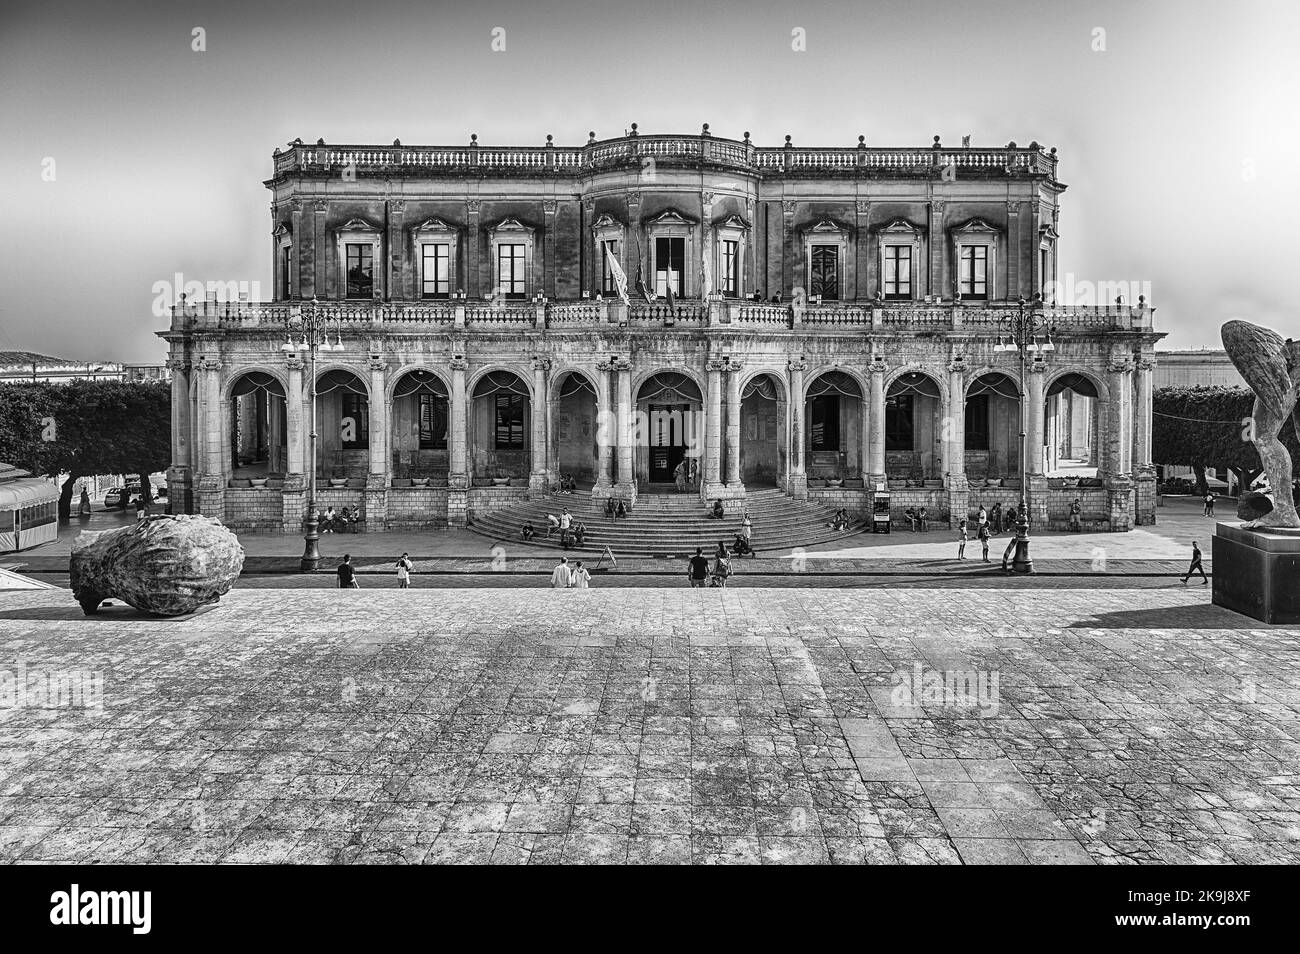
(1038,492)
(798,483)
(1144,504)
(458,471)
(955,445)
(376,494)
(211,500)
(733,426)
(1119,481)
(295,437)
(625,426)
(606,427)
(711,484)
(539,478)
(180,475)
(876,454)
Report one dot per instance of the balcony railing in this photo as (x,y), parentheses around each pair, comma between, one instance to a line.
(488,316)
(669,150)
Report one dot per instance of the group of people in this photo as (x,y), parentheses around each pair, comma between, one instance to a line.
(984,530)
(685,474)
(347,573)
(566,577)
(341,521)
(841,520)
(573,532)
(568,485)
(615,509)
(701,571)
(917,519)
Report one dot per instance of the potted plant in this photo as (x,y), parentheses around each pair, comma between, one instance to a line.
(500,478)
(419,482)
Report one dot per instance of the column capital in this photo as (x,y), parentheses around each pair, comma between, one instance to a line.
(177,364)
(1146,363)
(958,364)
(734,364)
(472,206)
(878,365)
(458,363)
(787,207)
(294,363)
(1037,367)
(209,364)
(797,364)
(1119,365)
(715,364)
(541,364)
(376,362)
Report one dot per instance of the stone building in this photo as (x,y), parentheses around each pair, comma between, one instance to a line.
(827,321)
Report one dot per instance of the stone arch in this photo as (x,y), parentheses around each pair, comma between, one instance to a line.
(764,429)
(1075,437)
(476,377)
(560,373)
(1097,381)
(991,425)
(973,374)
(915,367)
(914,445)
(254,424)
(280,375)
(639,380)
(394,377)
(776,374)
(573,420)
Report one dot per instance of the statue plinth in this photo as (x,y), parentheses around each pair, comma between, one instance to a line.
(1257,572)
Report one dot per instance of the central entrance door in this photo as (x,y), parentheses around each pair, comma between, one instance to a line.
(667,440)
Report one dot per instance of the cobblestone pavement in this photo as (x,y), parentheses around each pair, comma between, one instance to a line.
(636,725)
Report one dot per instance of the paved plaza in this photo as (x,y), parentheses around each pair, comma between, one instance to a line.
(883,726)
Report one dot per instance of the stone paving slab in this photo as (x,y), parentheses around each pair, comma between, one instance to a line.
(655,726)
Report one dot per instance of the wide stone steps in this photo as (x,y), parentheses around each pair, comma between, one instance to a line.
(664,523)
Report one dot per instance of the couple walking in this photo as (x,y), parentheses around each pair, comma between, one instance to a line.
(566,577)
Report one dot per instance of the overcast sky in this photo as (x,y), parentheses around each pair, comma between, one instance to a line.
(1179,141)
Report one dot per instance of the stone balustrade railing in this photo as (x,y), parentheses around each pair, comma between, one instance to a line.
(639,150)
(486,316)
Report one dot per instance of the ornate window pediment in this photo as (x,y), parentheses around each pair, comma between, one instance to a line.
(506,227)
(974,228)
(901,227)
(606,221)
(435,224)
(732,221)
(357,225)
(671,217)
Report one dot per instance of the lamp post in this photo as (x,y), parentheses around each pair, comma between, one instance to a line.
(315,323)
(1023,326)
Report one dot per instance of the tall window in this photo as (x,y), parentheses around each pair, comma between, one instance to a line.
(731,269)
(361,271)
(607,248)
(436,271)
(898,271)
(824,273)
(974,271)
(977,422)
(512,278)
(670,263)
(898,422)
(510,421)
(286,272)
(824,423)
(356,421)
(433,421)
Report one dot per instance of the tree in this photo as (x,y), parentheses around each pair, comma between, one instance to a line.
(1204,427)
(84,428)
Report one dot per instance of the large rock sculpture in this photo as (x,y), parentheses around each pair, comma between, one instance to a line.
(1271,367)
(164,565)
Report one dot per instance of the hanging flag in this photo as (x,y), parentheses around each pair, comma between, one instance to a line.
(616,272)
(640,280)
(668,287)
(706,276)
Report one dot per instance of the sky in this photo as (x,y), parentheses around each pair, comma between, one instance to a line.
(127,156)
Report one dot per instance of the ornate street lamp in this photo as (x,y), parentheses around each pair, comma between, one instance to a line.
(315,321)
(1022,329)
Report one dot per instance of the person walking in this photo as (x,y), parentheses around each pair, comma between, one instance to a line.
(746,526)
(995,518)
(404,568)
(961,540)
(347,574)
(697,570)
(561,576)
(983,534)
(580,578)
(679,476)
(1209,504)
(1196,566)
(83,508)
(721,565)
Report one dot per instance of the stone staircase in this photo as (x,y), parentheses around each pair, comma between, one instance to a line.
(668,524)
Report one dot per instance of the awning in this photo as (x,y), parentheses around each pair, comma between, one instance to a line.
(26,492)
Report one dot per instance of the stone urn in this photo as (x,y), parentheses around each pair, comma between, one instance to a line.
(164,565)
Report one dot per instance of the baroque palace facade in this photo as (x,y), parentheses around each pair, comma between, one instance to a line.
(827,321)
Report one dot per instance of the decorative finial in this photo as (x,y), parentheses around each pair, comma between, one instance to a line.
(549,139)
(634,129)
(591,137)
(787,140)
(937,144)
(1142,300)
(320,142)
(705,130)
(1011,144)
(862,141)
(473,139)
(397,142)
(1053,151)
(746,137)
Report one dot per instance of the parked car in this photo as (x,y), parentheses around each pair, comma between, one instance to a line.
(118,498)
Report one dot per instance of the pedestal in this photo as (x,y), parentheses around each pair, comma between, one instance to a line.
(798,486)
(1257,573)
(958,499)
(1144,507)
